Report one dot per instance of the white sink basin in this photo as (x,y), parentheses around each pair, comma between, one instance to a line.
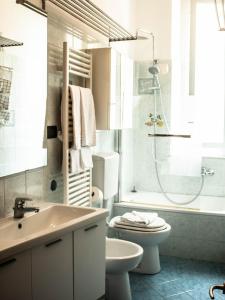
(47,219)
(54,220)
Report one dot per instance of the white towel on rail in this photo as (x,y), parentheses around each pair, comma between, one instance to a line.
(86,158)
(76,115)
(75,161)
(88,124)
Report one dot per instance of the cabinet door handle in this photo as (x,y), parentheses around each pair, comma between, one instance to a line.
(91,227)
(53,243)
(7,262)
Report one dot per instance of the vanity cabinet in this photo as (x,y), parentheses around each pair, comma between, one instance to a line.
(68,267)
(15,277)
(89,261)
(112,87)
(52,269)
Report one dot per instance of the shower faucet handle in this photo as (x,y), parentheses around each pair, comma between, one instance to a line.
(216,287)
(207,171)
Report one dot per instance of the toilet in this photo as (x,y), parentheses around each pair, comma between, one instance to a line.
(105,177)
(150,263)
(121,257)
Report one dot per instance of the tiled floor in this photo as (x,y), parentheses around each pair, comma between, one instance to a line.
(179,279)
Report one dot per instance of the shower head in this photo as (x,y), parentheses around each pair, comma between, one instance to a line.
(154,69)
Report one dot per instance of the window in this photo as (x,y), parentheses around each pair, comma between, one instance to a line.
(198,73)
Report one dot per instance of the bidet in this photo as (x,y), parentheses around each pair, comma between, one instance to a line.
(121,257)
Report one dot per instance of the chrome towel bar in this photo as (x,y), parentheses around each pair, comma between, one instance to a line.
(186,136)
(91,15)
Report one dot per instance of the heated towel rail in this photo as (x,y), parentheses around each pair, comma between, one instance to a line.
(77,67)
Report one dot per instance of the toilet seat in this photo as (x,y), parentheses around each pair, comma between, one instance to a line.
(144,230)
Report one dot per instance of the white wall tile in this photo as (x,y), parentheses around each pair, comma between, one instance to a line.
(35,184)
(1,198)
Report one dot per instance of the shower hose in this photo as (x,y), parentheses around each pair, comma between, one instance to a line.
(156,161)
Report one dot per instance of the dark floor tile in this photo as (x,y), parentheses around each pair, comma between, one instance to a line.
(174,287)
(146,295)
(182,296)
(179,279)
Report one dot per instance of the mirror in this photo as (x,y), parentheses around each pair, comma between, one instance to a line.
(23,102)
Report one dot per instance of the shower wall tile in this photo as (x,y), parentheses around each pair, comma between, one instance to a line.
(209,250)
(211,228)
(199,249)
(182,225)
(179,247)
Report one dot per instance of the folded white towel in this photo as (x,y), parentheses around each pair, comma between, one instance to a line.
(88,124)
(86,158)
(129,217)
(75,161)
(139,217)
(148,216)
(158,224)
(76,115)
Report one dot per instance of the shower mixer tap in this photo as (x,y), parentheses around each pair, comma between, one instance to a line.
(154,119)
(207,171)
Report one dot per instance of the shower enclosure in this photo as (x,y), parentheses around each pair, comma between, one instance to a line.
(198,230)
(176,146)
(146,148)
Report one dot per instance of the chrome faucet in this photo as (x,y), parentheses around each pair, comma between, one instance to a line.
(216,287)
(20,209)
(207,171)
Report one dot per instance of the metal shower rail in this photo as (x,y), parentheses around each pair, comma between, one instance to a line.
(88,13)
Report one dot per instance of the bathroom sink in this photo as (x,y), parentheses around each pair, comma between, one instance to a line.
(46,219)
(53,220)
